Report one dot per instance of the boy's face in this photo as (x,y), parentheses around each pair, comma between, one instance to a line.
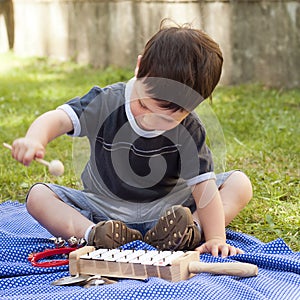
(150,116)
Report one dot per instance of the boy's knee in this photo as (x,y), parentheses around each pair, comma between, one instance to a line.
(244,185)
(35,196)
(239,185)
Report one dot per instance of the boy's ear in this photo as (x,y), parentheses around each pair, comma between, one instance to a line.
(137,65)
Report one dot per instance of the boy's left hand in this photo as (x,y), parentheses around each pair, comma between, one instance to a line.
(216,246)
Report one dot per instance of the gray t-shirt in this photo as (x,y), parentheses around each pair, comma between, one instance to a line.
(130,171)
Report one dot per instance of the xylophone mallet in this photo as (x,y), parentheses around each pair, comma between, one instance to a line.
(55,167)
(233,269)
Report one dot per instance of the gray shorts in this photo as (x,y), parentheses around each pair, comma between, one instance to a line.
(81,201)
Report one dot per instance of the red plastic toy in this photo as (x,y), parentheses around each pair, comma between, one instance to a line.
(35,257)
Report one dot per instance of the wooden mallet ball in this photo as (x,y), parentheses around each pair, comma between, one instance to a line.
(55,167)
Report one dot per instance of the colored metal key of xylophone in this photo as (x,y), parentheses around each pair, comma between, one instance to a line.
(141,264)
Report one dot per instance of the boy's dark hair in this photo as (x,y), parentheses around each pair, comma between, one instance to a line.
(183,54)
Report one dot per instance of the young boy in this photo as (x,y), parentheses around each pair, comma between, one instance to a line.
(150,174)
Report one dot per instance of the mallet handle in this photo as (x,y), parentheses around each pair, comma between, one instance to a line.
(41,161)
(233,269)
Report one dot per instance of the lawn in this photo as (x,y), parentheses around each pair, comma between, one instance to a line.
(250,127)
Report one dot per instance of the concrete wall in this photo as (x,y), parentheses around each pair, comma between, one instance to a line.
(260,39)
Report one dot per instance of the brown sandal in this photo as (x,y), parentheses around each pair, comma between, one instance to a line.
(112,234)
(175,230)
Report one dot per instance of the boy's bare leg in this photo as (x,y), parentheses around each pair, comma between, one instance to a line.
(235,194)
(58,218)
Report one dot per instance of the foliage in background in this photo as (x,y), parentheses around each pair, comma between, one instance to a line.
(260,127)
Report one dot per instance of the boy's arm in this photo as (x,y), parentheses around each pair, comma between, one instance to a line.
(210,212)
(43,130)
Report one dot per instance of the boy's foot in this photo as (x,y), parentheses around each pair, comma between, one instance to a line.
(112,234)
(175,230)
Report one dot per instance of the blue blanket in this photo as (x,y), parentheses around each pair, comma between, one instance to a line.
(279,269)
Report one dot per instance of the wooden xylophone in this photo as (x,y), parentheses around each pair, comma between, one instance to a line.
(141,264)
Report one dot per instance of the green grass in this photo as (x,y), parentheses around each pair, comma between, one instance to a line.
(260,127)
(262,135)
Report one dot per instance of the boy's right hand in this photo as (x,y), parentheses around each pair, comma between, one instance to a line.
(25,150)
